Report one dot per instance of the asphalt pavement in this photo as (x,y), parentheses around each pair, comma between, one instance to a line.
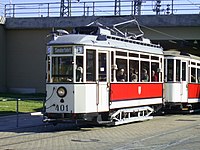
(167,132)
(20,120)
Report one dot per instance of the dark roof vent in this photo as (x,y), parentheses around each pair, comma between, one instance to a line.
(184,53)
(101,38)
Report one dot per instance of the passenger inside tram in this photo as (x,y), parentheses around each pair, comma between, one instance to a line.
(133,75)
(145,76)
(193,79)
(121,76)
(193,74)
(154,77)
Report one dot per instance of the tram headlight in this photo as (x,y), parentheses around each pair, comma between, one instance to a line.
(61,92)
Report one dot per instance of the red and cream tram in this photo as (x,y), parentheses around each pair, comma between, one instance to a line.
(182,81)
(95,75)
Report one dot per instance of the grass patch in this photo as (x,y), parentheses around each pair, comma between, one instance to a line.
(8,103)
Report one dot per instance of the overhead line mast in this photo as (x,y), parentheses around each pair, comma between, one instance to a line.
(65,7)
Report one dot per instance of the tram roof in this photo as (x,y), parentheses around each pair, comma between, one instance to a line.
(176,53)
(107,41)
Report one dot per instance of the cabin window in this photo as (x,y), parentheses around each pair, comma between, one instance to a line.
(114,67)
(144,56)
(183,71)
(193,75)
(121,53)
(178,68)
(79,69)
(154,72)
(154,58)
(62,69)
(144,71)
(91,65)
(165,75)
(198,75)
(122,70)
(170,69)
(133,70)
(102,67)
(48,69)
(133,55)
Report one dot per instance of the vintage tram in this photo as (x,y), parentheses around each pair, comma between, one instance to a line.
(102,75)
(182,82)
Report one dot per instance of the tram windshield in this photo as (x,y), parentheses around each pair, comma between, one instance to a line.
(62,69)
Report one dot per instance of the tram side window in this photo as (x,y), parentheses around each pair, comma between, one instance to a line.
(122,70)
(198,74)
(170,69)
(133,71)
(193,75)
(178,68)
(79,69)
(165,75)
(183,71)
(113,67)
(154,72)
(144,71)
(91,65)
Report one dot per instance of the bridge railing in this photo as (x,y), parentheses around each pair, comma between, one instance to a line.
(102,8)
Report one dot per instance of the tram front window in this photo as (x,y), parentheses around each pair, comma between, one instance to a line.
(62,69)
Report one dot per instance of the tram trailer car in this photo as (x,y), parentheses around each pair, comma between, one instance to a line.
(182,82)
(93,75)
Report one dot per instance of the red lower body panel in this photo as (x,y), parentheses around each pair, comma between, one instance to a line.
(131,91)
(193,90)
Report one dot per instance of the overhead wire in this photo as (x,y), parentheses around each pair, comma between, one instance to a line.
(193,3)
(149,28)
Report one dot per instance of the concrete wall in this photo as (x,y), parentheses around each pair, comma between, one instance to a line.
(23,43)
(26,51)
(2,59)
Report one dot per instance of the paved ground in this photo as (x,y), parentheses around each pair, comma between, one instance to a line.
(19,121)
(170,132)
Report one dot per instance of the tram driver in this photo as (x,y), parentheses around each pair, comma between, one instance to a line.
(79,69)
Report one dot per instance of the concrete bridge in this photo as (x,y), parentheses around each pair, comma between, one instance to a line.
(23,40)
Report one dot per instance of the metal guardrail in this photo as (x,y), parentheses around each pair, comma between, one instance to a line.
(102,8)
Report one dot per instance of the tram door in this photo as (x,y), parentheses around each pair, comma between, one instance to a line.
(177,78)
(102,80)
(184,82)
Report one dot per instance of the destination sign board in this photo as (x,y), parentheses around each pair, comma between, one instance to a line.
(62,50)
